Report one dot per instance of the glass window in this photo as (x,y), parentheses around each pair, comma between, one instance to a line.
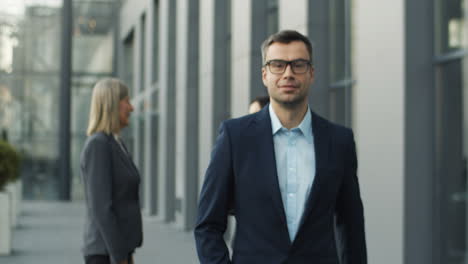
(451,163)
(272,16)
(222,64)
(93,45)
(155,41)
(340,76)
(451,131)
(29,91)
(338,42)
(128,51)
(338,105)
(451,25)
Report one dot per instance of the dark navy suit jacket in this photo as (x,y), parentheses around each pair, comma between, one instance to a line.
(242,174)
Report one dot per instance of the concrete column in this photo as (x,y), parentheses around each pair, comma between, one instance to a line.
(134,89)
(378,114)
(293,16)
(135,94)
(187,113)
(65,102)
(150,173)
(206,84)
(166,112)
(5,225)
(258,32)
(181,102)
(241,57)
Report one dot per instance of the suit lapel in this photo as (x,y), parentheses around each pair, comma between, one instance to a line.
(125,157)
(321,145)
(264,138)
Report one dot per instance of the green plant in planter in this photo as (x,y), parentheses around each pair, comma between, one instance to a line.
(9,164)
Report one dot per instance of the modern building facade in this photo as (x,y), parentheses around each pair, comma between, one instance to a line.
(394,71)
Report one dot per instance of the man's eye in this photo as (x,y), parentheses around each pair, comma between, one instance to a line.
(277,64)
(299,64)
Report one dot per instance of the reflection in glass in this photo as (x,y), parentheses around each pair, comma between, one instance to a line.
(338,51)
(30,39)
(451,25)
(340,77)
(29,72)
(452,155)
(338,105)
(272,16)
(451,33)
(93,36)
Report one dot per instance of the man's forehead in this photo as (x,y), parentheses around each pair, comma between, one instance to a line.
(296,49)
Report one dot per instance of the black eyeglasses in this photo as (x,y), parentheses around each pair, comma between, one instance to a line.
(299,66)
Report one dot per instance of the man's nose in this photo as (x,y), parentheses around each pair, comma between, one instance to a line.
(288,72)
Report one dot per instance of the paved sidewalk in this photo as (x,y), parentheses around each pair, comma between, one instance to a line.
(51,233)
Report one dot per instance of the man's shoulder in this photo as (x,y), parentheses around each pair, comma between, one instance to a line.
(335,129)
(240,122)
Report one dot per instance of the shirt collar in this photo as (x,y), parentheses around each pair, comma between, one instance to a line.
(305,126)
(275,122)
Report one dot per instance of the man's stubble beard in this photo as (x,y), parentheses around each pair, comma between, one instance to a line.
(293,104)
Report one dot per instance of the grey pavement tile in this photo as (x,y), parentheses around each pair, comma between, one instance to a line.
(51,232)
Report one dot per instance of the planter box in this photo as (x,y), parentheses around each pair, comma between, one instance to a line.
(19,199)
(12,190)
(15,190)
(5,225)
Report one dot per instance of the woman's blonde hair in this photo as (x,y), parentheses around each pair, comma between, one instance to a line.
(104,114)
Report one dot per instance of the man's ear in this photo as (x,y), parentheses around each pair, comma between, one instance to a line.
(264,73)
(312,73)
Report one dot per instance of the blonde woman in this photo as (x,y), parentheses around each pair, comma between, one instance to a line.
(113,226)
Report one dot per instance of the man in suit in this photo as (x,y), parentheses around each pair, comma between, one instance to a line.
(289,174)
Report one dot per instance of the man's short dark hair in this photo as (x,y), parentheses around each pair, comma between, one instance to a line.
(286,37)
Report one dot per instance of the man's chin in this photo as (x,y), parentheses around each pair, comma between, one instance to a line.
(291,102)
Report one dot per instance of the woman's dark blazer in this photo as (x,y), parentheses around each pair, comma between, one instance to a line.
(111,181)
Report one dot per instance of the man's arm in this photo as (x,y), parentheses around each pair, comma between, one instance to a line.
(215,199)
(350,213)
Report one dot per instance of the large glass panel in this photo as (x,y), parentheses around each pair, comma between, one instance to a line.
(222,64)
(29,90)
(338,105)
(340,77)
(30,44)
(81,96)
(338,43)
(92,54)
(464,83)
(451,162)
(451,33)
(128,60)
(272,16)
